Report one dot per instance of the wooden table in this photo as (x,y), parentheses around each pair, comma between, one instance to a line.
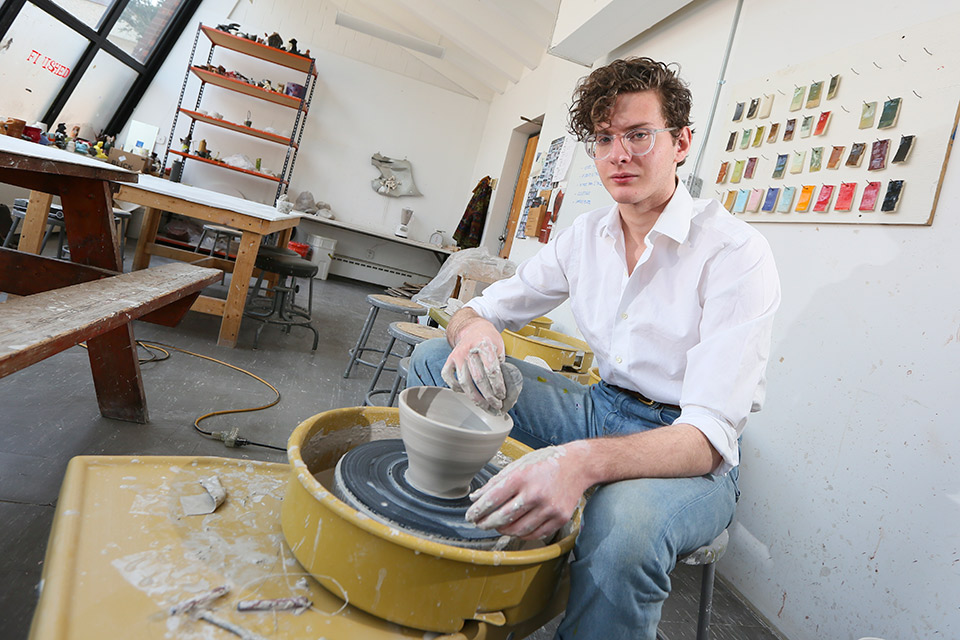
(47,319)
(253,219)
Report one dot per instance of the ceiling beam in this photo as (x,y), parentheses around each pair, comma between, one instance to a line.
(530,16)
(480,85)
(462,33)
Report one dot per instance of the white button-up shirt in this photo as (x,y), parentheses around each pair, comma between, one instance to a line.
(690,326)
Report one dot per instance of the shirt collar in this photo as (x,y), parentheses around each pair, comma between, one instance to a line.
(673,222)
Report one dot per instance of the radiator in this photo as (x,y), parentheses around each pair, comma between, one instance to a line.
(367,271)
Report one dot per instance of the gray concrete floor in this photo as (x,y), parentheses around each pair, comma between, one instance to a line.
(48,414)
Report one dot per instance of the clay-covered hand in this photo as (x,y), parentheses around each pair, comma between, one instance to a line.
(473,366)
(533,496)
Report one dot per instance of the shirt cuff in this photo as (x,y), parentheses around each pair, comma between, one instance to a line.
(718,431)
(478,305)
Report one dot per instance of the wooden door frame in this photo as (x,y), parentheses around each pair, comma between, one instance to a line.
(519,193)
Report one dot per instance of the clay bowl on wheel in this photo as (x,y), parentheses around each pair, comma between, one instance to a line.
(448,439)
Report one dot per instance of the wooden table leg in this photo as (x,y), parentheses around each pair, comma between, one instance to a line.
(239,285)
(34,222)
(88,216)
(148,234)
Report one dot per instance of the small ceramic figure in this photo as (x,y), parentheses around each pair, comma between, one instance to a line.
(75,131)
(202,149)
(99,149)
(185,144)
(60,136)
(229,28)
(274,40)
(292,47)
(81,147)
(265,84)
(248,122)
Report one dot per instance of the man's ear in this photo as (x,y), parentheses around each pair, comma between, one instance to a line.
(683,142)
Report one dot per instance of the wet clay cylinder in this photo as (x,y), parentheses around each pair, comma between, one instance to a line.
(448,439)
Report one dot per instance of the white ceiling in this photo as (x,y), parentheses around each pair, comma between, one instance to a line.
(487,44)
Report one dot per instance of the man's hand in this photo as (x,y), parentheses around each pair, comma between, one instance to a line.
(473,366)
(534,495)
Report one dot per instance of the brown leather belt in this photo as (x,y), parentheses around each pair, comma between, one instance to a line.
(644,399)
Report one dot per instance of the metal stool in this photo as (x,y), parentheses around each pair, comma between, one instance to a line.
(377,302)
(411,334)
(55,221)
(707,556)
(218,231)
(283,309)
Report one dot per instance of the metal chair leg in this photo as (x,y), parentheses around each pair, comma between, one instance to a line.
(361,341)
(376,375)
(706,601)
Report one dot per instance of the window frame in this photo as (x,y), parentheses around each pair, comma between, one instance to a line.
(97,40)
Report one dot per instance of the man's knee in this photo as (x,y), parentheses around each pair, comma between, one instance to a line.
(426,362)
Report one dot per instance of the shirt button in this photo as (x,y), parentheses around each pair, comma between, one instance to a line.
(619,360)
(624,316)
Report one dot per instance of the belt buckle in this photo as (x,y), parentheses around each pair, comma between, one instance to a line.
(645,400)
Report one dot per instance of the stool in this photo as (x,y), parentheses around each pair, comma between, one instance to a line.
(707,556)
(218,231)
(55,221)
(283,309)
(411,334)
(379,301)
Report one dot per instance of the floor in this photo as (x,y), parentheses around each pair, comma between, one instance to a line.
(48,414)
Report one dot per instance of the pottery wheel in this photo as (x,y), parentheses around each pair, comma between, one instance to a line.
(371,478)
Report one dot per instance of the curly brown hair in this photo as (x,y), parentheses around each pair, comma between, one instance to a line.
(595,95)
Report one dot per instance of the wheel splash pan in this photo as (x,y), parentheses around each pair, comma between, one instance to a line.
(392,574)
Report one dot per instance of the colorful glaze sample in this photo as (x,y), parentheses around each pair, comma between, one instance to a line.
(878,155)
(845,196)
(890,113)
(892,197)
(870,194)
(824,198)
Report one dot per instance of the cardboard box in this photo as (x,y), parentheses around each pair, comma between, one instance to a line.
(127,160)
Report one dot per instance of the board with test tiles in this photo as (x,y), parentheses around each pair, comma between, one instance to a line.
(860,136)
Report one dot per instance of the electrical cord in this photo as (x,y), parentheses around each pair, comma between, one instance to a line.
(230,438)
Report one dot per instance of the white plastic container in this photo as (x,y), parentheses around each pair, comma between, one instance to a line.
(321,254)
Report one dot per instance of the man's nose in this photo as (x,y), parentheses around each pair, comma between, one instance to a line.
(619,153)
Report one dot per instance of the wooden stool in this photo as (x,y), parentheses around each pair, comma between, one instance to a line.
(282,305)
(411,334)
(707,556)
(379,301)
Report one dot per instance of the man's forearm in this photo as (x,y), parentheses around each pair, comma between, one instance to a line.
(460,319)
(674,451)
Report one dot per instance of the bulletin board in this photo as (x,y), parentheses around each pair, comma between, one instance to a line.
(902,88)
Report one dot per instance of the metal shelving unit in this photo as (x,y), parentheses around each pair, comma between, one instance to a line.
(253,49)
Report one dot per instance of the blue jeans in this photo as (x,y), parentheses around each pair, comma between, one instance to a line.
(632,531)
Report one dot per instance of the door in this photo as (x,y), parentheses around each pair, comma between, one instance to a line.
(519,195)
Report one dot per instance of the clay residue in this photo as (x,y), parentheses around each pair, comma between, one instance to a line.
(323,450)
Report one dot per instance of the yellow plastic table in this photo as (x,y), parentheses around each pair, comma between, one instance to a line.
(122,552)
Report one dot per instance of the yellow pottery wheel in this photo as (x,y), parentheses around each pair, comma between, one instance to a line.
(557,349)
(390,573)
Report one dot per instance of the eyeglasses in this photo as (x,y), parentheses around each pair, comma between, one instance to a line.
(637,142)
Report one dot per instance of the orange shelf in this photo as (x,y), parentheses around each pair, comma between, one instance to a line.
(257,50)
(239,128)
(246,88)
(227,166)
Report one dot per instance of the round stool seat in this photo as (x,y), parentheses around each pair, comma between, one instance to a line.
(708,553)
(287,265)
(399,305)
(413,333)
(276,251)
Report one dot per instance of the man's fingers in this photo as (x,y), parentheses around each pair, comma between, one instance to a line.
(449,374)
(481,379)
(508,513)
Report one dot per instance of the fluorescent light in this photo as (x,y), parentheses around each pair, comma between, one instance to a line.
(375,30)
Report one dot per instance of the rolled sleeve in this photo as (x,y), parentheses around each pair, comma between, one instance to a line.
(722,435)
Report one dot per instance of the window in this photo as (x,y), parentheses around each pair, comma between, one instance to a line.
(84,62)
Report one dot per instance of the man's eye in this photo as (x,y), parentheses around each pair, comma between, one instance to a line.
(603,140)
(639,136)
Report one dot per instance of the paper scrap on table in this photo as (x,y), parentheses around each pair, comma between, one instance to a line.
(204,503)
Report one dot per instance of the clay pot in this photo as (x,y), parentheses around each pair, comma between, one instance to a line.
(15,127)
(448,439)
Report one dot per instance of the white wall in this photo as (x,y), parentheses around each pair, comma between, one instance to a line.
(357,110)
(848,522)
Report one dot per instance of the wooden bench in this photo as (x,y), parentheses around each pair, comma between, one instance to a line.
(40,325)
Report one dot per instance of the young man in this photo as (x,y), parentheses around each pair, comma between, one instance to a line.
(676,298)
